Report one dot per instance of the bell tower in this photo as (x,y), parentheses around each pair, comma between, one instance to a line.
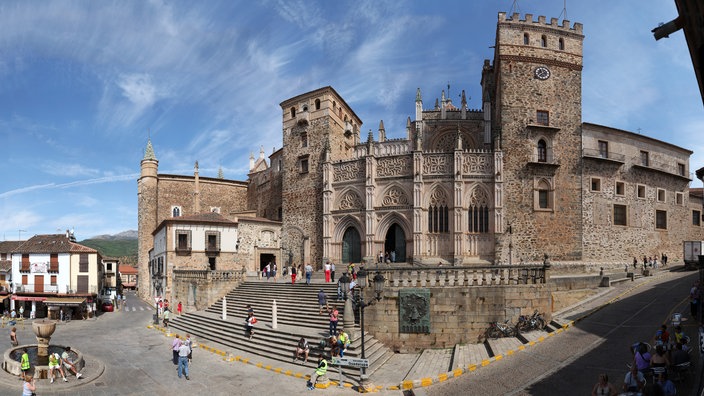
(147,203)
(537,111)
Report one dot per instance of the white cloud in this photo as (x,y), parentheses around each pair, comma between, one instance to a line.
(139,89)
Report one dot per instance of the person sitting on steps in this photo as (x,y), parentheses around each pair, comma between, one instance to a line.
(302,348)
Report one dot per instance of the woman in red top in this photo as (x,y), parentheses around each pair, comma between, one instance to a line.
(179,308)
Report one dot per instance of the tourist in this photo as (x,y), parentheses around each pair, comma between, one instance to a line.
(603,387)
(175,345)
(694,299)
(166,317)
(327,270)
(273,271)
(332,272)
(322,301)
(183,352)
(393,256)
(22,311)
(69,364)
(189,342)
(28,387)
(667,386)
(293,274)
(659,360)
(320,371)
(679,355)
(179,308)
(302,348)
(634,381)
(641,358)
(662,337)
(13,337)
(664,260)
(309,273)
(54,363)
(267,271)
(343,340)
(24,363)
(333,320)
(249,324)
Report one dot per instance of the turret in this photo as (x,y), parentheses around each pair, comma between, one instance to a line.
(382,131)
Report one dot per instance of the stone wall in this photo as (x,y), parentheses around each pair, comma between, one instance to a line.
(458,314)
(197,290)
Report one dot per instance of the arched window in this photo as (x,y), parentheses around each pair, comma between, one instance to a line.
(479,218)
(293,112)
(544,195)
(317,104)
(305,107)
(561,44)
(526,40)
(176,211)
(438,213)
(542,151)
(543,41)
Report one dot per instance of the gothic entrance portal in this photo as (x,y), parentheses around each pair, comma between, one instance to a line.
(351,246)
(396,242)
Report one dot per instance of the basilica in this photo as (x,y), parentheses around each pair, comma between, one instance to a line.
(518,179)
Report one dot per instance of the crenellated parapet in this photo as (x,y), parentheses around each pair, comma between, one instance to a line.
(515,18)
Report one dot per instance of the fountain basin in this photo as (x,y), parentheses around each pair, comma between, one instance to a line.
(12,356)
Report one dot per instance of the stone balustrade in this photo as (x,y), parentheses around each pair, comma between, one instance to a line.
(229,275)
(462,276)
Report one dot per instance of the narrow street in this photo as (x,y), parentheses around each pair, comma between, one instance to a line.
(569,363)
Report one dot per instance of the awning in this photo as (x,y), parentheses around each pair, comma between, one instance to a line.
(64,301)
(27,298)
(5,297)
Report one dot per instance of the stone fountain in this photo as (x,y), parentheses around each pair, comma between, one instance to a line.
(39,353)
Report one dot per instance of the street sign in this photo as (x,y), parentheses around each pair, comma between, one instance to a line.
(359,363)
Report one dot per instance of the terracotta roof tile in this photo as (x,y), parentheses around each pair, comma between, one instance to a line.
(51,243)
(9,246)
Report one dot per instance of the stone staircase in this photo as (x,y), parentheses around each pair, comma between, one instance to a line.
(297,316)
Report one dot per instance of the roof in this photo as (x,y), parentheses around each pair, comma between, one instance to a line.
(212,218)
(52,243)
(128,270)
(9,246)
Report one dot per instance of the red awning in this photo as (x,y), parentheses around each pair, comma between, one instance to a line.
(26,298)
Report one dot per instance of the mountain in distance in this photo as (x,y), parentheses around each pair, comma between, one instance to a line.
(122,246)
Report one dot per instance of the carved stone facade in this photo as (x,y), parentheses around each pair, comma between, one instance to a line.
(521,177)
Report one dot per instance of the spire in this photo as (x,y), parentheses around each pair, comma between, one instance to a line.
(382,131)
(220,174)
(464,100)
(419,106)
(261,152)
(149,151)
(251,161)
(459,138)
(418,97)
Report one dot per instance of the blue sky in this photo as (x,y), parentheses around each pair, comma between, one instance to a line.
(84,83)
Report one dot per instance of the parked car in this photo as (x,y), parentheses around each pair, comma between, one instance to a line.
(107,306)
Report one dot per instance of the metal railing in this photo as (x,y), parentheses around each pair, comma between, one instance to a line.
(610,155)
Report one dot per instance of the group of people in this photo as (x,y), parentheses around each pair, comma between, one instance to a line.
(295,271)
(671,353)
(338,344)
(388,257)
(64,364)
(182,355)
(651,261)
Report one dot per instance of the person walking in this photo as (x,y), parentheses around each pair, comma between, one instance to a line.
(603,387)
(293,274)
(28,387)
(166,317)
(332,272)
(327,270)
(309,273)
(333,320)
(24,363)
(322,301)
(179,308)
(13,337)
(183,351)
(175,345)
(267,271)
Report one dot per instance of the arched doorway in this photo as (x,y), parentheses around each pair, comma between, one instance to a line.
(351,246)
(396,242)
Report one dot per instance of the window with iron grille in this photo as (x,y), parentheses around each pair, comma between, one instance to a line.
(620,215)
(661,219)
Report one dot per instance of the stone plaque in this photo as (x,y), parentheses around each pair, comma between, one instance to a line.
(414,310)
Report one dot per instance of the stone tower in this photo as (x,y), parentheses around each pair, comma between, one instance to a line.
(315,125)
(146,215)
(536,114)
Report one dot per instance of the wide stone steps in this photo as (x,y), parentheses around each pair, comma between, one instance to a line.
(297,316)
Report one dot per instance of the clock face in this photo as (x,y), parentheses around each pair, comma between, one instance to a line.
(542,73)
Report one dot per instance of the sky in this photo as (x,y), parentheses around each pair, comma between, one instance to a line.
(85,84)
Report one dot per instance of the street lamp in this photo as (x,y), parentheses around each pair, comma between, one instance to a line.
(358,296)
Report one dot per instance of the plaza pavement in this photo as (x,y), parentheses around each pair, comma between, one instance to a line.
(127,356)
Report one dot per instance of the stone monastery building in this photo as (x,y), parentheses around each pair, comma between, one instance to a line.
(519,178)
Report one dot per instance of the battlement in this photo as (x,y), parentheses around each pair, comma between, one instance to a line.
(516,18)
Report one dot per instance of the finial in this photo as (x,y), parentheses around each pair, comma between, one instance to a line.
(196,166)
(464,99)
(418,98)
(220,174)
(149,151)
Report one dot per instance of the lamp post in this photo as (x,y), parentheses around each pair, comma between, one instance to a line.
(363,283)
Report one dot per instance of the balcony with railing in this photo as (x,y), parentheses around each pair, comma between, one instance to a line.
(544,159)
(602,155)
(669,168)
(44,288)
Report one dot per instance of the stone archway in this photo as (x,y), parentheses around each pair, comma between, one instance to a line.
(395,241)
(351,246)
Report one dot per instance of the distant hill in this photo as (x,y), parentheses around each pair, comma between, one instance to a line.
(122,246)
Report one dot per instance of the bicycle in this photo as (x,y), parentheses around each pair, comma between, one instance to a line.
(498,330)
